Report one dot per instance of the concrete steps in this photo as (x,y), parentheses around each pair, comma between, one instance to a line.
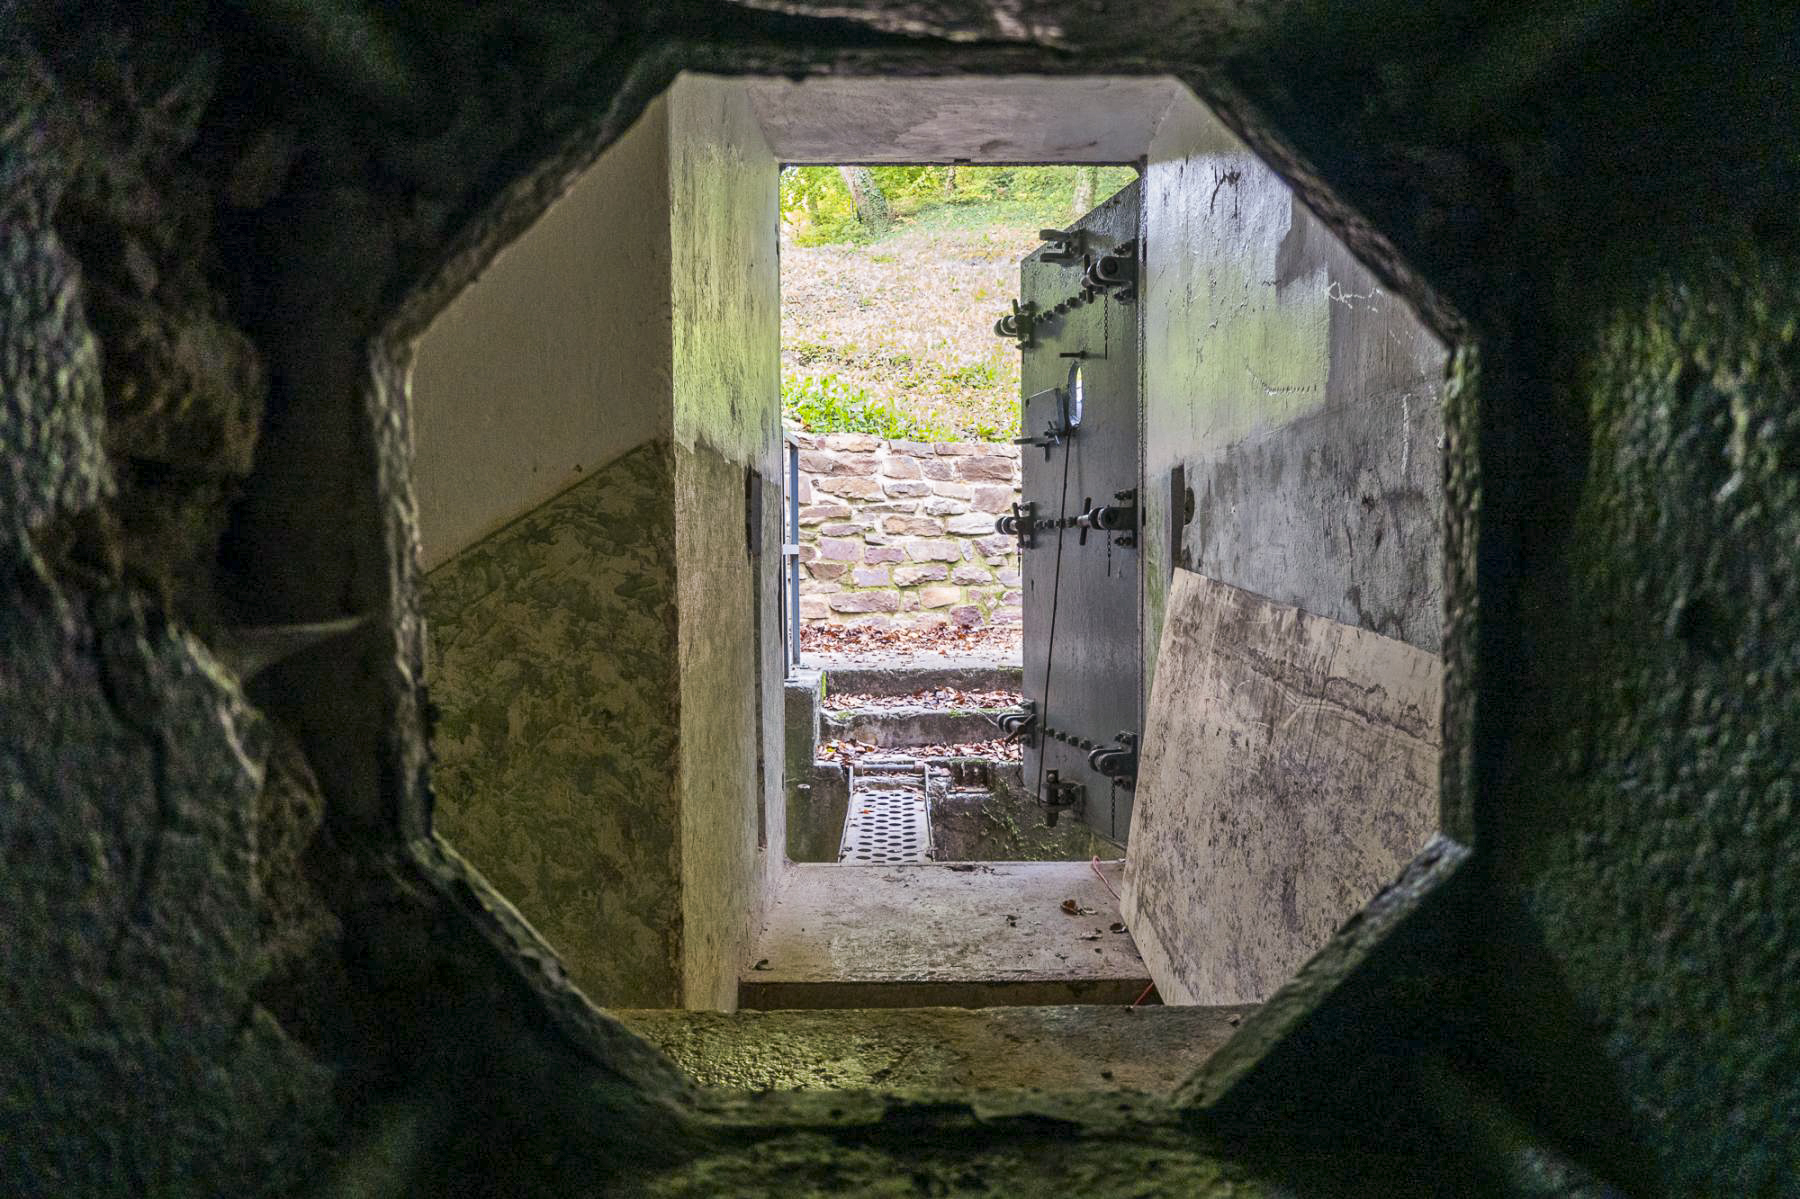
(904,727)
(1151,1049)
(876,674)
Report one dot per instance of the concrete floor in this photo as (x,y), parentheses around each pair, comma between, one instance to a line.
(953,934)
(1151,1049)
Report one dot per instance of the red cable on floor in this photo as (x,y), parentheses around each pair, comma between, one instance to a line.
(1094,863)
(1144,994)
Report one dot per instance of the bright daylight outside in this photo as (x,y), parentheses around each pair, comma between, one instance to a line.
(903,404)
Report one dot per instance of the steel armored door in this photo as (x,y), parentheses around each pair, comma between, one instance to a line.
(1078,523)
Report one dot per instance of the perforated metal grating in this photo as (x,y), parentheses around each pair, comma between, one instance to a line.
(884,827)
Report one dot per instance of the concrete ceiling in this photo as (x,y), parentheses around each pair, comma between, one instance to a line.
(1014,119)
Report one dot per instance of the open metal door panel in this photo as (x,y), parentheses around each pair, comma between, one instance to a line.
(1080,581)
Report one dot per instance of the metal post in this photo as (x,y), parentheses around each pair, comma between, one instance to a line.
(790,551)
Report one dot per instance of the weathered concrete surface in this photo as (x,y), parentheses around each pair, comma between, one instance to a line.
(900,728)
(816,811)
(1087,1047)
(981,813)
(1300,399)
(553,743)
(976,934)
(724,325)
(902,674)
(800,721)
(1021,119)
(1289,772)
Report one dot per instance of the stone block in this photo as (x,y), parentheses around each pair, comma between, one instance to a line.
(986,467)
(818,462)
(934,551)
(939,596)
(892,506)
(804,492)
(802,439)
(931,572)
(884,553)
(957,449)
(1007,616)
(989,498)
(953,491)
(828,570)
(974,524)
(840,549)
(1008,576)
(851,486)
(969,573)
(905,487)
(842,529)
(913,526)
(1012,597)
(1004,449)
(967,616)
(813,607)
(865,601)
(896,467)
(997,545)
(815,587)
(823,512)
(808,553)
(938,505)
(913,449)
(861,443)
(933,468)
(870,576)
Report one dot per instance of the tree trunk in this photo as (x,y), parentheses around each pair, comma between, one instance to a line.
(1085,180)
(872,211)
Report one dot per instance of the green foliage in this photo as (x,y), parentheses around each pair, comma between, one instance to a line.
(816,202)
(826,404)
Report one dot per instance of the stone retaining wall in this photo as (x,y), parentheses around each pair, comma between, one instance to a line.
(902,532)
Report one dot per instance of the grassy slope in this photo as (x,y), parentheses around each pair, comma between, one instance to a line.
(909,317)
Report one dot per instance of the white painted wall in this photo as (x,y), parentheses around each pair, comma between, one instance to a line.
(554,361)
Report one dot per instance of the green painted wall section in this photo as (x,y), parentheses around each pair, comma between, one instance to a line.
(554,651)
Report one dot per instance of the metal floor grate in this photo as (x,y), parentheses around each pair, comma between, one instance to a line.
(885,827)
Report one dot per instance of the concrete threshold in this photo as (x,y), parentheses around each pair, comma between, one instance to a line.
(943,934)
(1150,1049)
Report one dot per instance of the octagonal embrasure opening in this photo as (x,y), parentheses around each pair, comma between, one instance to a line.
(602,509)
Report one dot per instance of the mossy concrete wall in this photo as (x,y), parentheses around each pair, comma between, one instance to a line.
(725,298)
(1301,400)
